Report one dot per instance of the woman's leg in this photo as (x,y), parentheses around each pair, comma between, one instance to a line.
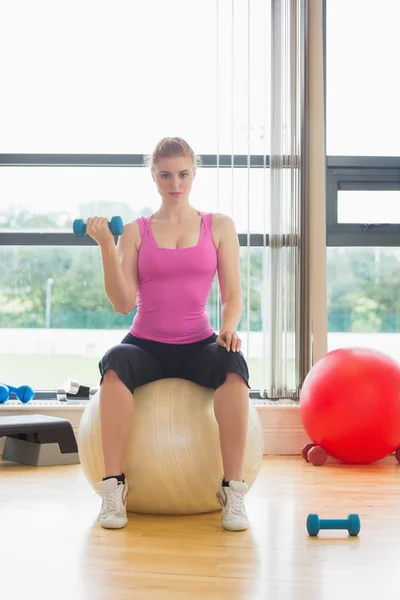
(226,372)
(116,410)
(231,407)
(123,368)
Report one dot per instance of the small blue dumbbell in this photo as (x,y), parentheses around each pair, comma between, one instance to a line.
(116,225)
(315,524)
(24,393)
(4,393)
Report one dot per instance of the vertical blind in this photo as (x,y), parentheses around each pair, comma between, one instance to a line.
(267,93)
(287,329)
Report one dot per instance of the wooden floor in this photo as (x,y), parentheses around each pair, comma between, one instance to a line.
(51,546)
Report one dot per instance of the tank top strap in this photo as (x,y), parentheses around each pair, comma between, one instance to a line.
(144,224)
(207,225)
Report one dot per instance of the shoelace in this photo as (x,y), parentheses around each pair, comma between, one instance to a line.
(111,499)
(237,502)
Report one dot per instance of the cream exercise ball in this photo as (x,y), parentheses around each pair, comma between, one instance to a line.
(173,461)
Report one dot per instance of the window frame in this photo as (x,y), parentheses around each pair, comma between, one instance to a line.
(360,173)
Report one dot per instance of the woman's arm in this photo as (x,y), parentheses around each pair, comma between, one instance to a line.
(119,264)
(229,280)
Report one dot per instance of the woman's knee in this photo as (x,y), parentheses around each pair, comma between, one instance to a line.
(118,358)
(131,365)
(234,378)
(227,359)
(116,366)
(232,366)
(117,353)
(111,376)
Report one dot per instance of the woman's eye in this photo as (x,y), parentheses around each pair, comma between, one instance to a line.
(166,175)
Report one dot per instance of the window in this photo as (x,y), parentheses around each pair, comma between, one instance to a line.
(363,175)
(55,319)
(369,206)
(43,198)
(362,49)
(56,322)
(79,118)
(363,298)
(134,73)
(363,197)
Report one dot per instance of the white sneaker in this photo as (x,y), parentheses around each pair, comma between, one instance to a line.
(113,509)
(231,499)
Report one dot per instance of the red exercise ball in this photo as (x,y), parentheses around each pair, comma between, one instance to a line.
(350,405)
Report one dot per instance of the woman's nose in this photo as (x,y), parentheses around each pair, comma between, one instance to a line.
(175,182)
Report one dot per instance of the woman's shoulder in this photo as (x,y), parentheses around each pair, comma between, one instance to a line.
(223,228)
(221,221)
(135,229)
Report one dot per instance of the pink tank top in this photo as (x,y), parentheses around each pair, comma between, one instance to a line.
(173,287)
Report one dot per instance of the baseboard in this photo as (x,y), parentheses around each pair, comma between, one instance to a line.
(282,428)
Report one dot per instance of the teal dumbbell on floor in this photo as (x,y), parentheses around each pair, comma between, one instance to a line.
(315,524)
(116,225)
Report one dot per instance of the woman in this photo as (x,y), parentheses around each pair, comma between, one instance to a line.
(166,264)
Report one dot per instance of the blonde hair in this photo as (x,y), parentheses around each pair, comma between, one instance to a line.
(170,147)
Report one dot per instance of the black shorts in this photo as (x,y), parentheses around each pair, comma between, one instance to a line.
(137,361)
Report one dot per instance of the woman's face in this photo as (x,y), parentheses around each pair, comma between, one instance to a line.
(174,177)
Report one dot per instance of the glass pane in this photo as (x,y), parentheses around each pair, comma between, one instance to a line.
(363,46)
(99,78)
(52,197)
(54,315)
(56,322)
(364,298)
(369,206)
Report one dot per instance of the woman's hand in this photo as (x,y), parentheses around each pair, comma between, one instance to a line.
(229,339)
(98,229)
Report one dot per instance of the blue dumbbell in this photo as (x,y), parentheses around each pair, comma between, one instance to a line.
(24,393)
(116,225)
(4,393)
(315,524)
